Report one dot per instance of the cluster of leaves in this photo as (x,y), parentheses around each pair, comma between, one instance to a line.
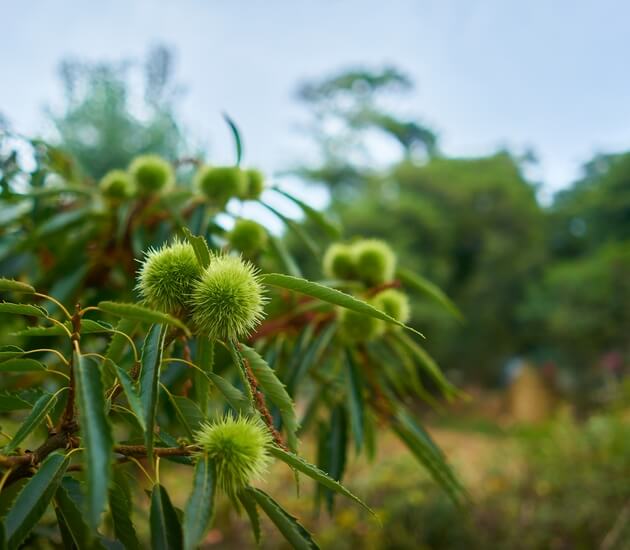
(113,400)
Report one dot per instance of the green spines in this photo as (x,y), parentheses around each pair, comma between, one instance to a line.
(375,260)
(248,236)
(151,174)
(255,184)
(227,301)
(238,446)
(221,183)
(339,262)
(395,303)
(117,185)
(168,275)
(357,327)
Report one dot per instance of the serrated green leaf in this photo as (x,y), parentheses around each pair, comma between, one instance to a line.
(187,411)
(428,453)
(315,473)
(320,219)
(120,506)
(329,295)
(204,359)
(96,435)
(294,532)
(87,327)
(166,531)
(70,508)
(427,363)
(32,501)
(37,415)
(249,503)
(238,143)
(23,309)
(235,397)
(13,402)
(356,404)
(427,288)
(135,403)
(9,352)
(149,380)
(200,246)
(141,313)
(275,391)
(21,365)
(200,505)
(9,285)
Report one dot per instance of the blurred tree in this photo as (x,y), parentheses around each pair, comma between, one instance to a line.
(473,226)
(103,125)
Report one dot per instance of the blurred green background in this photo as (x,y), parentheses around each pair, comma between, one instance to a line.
(540,270)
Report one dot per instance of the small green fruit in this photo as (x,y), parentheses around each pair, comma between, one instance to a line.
(339,262)
(221,183)
(168,275)
(376,262)
(358,327)
(394,303)
(152,174)
(239,449)
(255,184)
(227,302)
(117,185)
(248,236)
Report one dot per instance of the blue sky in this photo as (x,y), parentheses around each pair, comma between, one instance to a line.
(547,74)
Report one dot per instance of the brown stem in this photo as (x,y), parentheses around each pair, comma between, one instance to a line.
(259,399)
(375,290)
(141,450)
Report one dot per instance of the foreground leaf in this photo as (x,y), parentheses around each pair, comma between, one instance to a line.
(289,526)
(249,503)
(120,506)
(313,215)
(10,285)
(39,411)
(235,397)
(200,505)
(276,391)
(329,295)
(132,396)
(200,246)
(21,365)
(96,435)
(166,531)
(428,453)
(33,499)
(23,309)
(315,473)
(69,506)
(9,352)
(141,313)
(149,380)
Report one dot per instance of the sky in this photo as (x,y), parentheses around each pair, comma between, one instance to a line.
(547,75)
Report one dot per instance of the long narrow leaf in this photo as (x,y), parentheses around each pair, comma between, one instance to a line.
(9,285)
(166,530)
(32,501)
(289,526)
(276,392)
(95,434)
(149,380)
(141,313)
(329,295)
(200,505)
(315,473)
(39,411)
(200,246)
